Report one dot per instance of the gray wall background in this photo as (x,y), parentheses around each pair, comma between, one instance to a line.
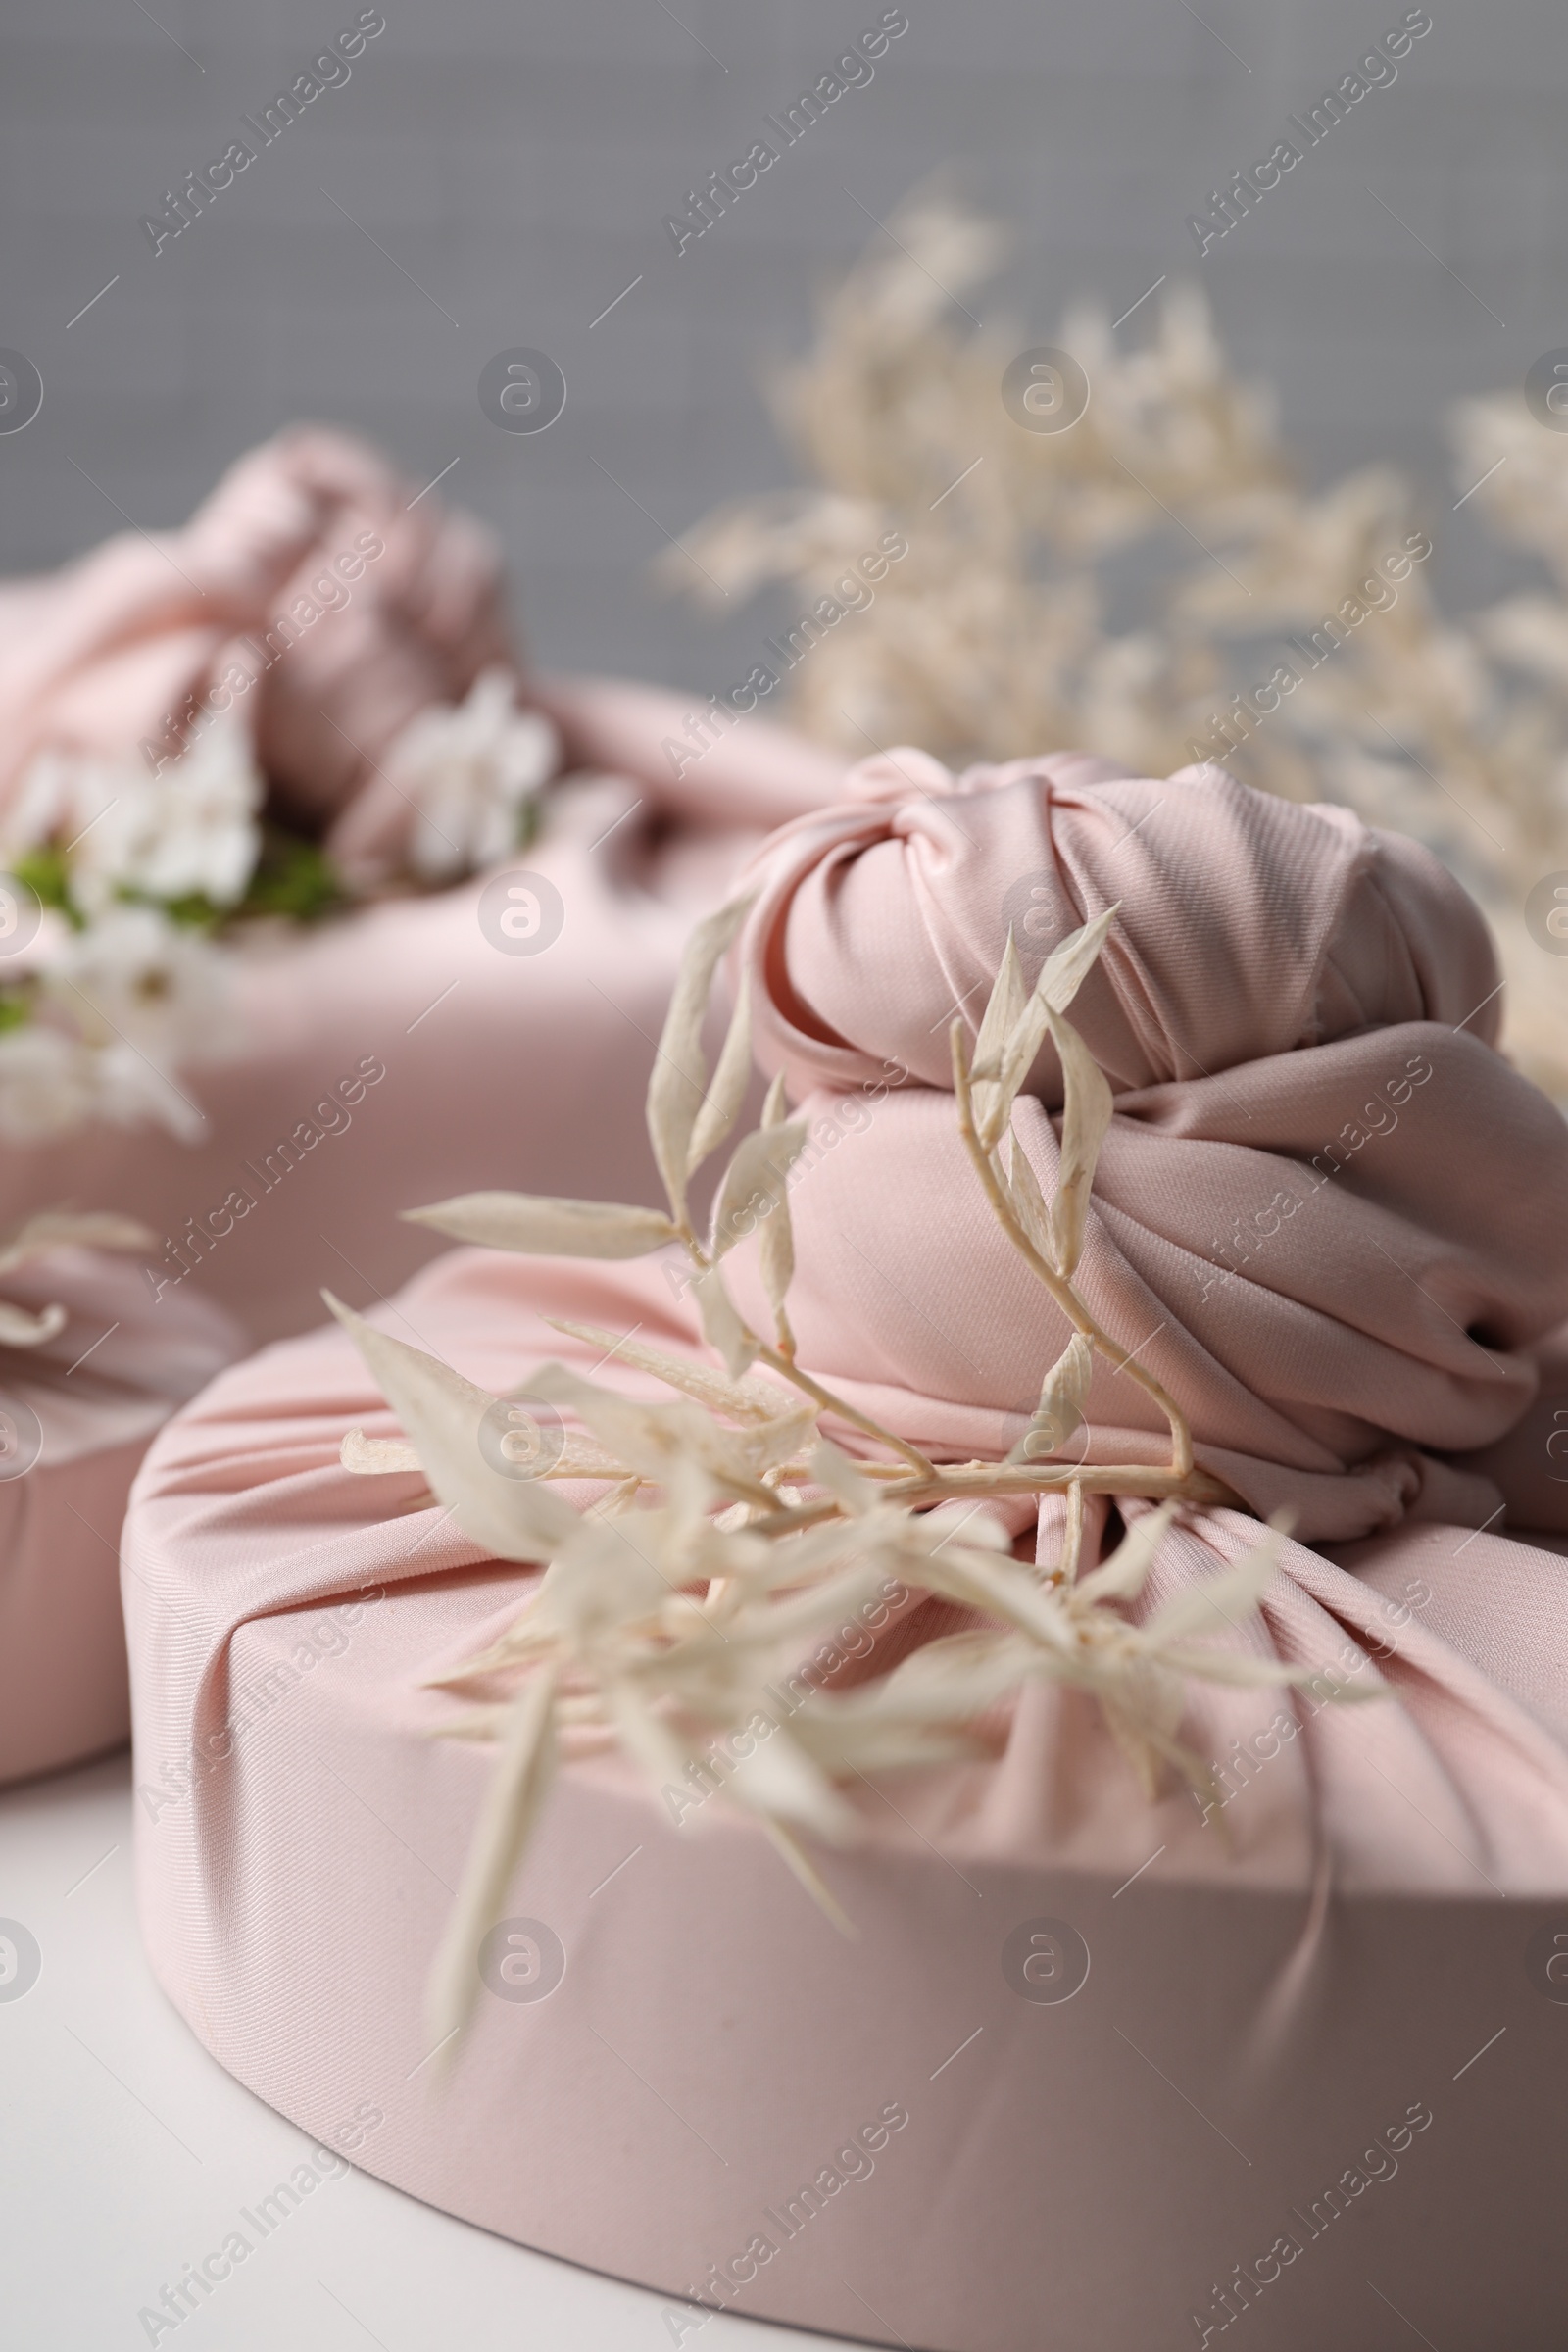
(516,162)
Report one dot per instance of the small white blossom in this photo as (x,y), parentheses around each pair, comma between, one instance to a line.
(469,772)
(192,830)
(47,1084)
(134,977)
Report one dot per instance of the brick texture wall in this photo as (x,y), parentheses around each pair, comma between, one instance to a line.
(494,176)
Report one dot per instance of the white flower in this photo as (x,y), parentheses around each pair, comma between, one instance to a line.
(130,1089)
(135,978)
(51,1084)
(469,772)
(190,830)
(47,1084)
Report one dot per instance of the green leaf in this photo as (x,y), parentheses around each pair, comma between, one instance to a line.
(293,878)
(47,873)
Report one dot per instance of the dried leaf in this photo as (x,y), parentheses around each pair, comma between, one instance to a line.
(510,1808)
(755,1182)
(67,1229)
(540,1226)
(745,1400)
(1009,993)
(21,1329)
(723,1327)
(376,1457)
(1122,1577)
(781,1782)
(650,1439)
(811,1879)
(832,1468)
(1218,1600)
(679,1079)
(1060,978)
(1063,1395)
(1028,1200)
(1086,1114)
(1005,1008)
(514,1519)
(722,1102)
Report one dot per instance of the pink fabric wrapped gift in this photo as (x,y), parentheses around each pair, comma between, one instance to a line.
(354,1092)
(351,610)
(1095,2073)
(88,1369)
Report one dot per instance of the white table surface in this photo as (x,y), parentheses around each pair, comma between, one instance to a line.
(126,2152)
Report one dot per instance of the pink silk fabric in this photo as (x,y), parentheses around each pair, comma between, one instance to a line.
(354,1096)
(489,1064)
(75,1415)
(100,656)
(1272,1980)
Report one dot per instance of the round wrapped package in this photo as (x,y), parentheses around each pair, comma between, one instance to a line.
(1093,2069)
(346,609)
(352,636)
(334,1070)
(417,1045)
(88,1370)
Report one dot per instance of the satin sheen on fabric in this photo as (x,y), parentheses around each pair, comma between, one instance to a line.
(88,1399)
(1357,1937)
(356,604)
(490,1064)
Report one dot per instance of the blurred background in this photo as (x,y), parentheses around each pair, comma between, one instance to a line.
(490,177)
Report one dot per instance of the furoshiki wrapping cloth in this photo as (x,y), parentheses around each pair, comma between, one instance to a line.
(77,1406)
(1095,2072)
(358,1081)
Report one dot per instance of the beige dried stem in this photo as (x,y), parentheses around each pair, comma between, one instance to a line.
(1135,585)
(730,1535)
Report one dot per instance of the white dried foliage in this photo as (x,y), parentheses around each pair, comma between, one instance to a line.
(679,1102)
(1020,619)
(725,1535)
(544,1227)
(53,1229)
